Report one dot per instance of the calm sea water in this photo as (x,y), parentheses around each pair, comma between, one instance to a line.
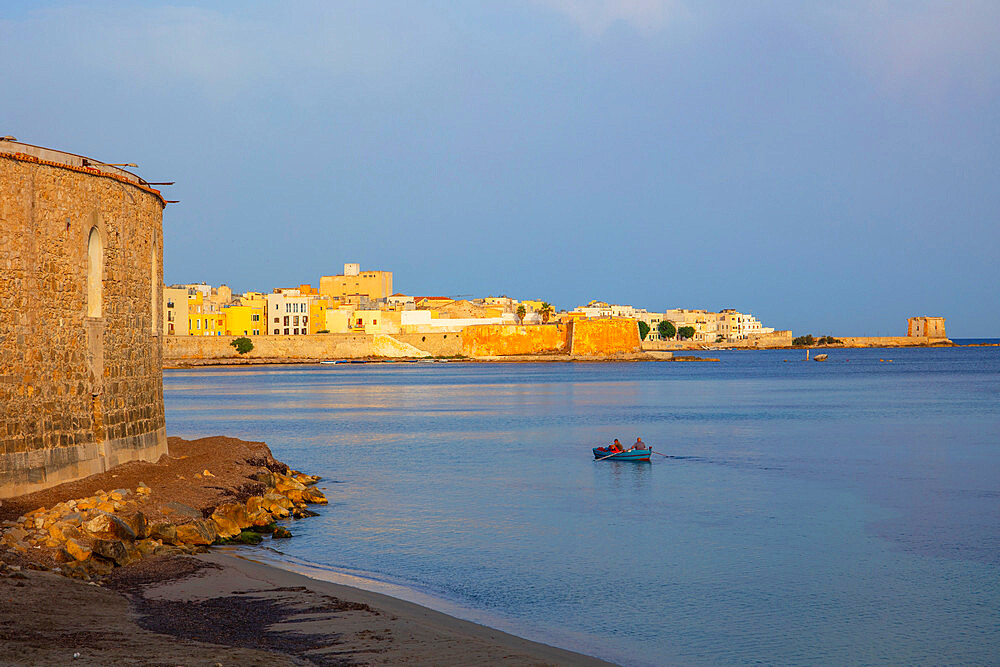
(838,512)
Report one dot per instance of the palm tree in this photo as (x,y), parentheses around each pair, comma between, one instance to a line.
(521,312)
(545,311)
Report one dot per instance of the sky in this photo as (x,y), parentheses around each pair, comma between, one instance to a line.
(830,167)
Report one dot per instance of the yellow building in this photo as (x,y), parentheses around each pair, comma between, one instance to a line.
(355,283)
(244,320)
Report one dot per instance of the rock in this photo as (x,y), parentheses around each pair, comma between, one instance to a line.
(182,510)
(97,567)
(148,547)
(231,518)
(107,506)
(295,496)
(198,532)
(268,479)
(137,522)
(143,490)
(207,474)
(77,550)
(314,496)
(116,551)
(281,533)
(107,526)
(273,501)
(166,532)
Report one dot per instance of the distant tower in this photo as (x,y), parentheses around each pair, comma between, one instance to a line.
(925,327)
(352,269)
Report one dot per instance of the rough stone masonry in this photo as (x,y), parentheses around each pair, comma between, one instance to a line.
(80,347)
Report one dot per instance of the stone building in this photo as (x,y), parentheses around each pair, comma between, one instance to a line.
(80,297)
(925,327)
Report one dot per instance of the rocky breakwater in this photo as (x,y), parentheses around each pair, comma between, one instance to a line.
(87,537)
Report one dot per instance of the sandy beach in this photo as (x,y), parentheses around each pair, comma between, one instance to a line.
(216,607)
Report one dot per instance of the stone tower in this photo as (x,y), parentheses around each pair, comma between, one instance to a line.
(81,257)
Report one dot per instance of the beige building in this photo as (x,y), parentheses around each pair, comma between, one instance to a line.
(354,283)
(175,311)
(704,323)
(926,327)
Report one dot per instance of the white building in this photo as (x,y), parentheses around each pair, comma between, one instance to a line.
(288,313)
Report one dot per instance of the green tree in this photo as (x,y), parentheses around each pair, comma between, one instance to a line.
(666,329)
(545,311)
(643,330)
(804,340)
(521,312)
(686,333)
(242,344)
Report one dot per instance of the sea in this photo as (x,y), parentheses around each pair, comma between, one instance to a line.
(795,512)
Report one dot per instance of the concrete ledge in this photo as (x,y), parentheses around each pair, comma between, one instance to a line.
(25,472)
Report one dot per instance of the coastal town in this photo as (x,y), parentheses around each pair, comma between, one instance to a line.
(362,305)
(357,301)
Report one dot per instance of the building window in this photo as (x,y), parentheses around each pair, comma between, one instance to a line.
(255,318)
(295,320)
(277,320)
(286,332)
(276,331)
(305,318)
(286,320)
(256,332)
(95,272)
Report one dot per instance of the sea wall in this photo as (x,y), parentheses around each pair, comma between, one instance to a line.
(80,287)
(892,341)
(605,337)
(497,340)
(314,346)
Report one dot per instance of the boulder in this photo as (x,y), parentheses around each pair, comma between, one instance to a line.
(231,518)
(281,533)
(182,510)
(198,532)
(315,496)
(78,550)
(148,547)
(109,526)
(165,532)
(116,551)
(137,522)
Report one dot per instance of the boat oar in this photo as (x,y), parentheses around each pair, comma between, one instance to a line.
(663,455)
(611,454)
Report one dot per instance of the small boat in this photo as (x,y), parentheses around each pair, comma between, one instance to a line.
(630,455)
(820,357)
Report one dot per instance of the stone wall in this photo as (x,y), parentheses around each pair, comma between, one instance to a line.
(314,346)
(80,385)
(497,340)
(605,337)
(581,338)
(891,341)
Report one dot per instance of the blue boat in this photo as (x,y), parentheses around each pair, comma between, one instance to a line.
(630,455)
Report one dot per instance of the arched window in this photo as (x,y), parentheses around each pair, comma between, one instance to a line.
(95,272)
(154,306)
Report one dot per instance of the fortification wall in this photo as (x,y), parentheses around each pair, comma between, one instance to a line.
(605,337)
(80,356)
(314,346)
(498,340)
(436,344)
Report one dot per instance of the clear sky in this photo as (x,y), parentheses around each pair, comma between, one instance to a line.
(832,167)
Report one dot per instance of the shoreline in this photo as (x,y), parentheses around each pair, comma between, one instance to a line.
(646,356)
(195,603)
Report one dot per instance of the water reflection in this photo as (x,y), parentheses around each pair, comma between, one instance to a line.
(801,504)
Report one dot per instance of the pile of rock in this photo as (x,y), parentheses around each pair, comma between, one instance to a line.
(91,536)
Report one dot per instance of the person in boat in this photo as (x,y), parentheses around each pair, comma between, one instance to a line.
(616,446)
(639,444)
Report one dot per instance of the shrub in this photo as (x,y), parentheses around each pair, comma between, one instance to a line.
(643,330)
(242,344)
(804,340)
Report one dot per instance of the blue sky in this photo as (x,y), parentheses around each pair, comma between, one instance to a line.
(830,167)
